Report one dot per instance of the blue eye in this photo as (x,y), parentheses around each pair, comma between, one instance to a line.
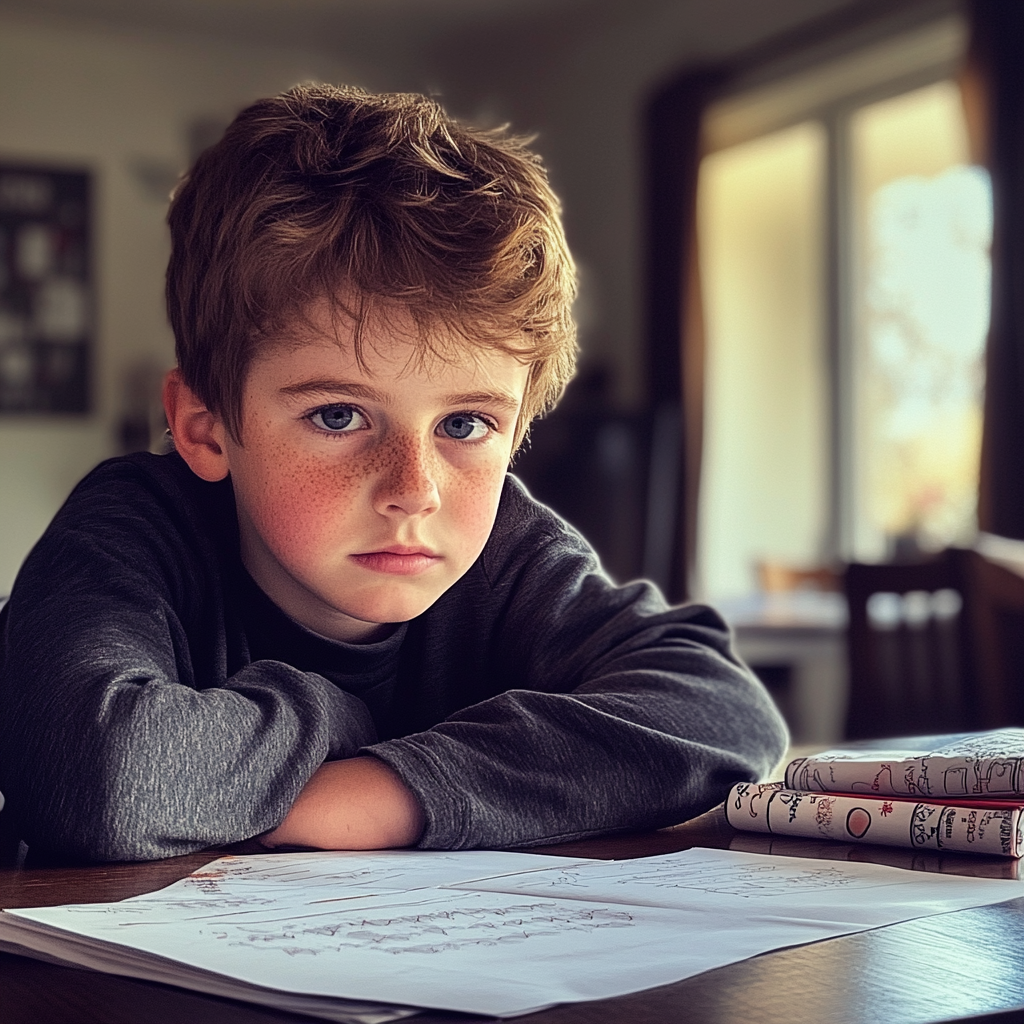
(464,426)
(337,418)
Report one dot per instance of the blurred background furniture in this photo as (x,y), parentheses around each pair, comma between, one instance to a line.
(792,633)
(932,645)
(777,578)
(995,608)
(935,646)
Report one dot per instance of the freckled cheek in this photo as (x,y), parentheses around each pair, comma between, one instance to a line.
(307,505)
(473,501)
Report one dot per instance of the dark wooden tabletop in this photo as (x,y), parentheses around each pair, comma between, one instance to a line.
(954,966)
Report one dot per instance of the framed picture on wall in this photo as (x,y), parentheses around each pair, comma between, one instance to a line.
(46,292)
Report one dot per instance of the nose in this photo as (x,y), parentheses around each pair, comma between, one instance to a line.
(407,485)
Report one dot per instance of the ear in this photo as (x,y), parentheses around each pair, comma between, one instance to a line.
(199,436)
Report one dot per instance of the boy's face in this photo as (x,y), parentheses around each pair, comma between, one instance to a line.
(364,493)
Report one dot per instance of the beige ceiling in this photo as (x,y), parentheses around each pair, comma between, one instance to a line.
(471,31)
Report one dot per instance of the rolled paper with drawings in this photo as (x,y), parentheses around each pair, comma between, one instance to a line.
(770,807)
(980,766)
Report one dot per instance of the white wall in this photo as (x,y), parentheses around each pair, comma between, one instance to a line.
(106,101)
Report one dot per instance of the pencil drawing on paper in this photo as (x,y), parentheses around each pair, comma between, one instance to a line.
(438,930)
(750,881)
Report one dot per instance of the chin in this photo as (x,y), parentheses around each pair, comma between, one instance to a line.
(389,610)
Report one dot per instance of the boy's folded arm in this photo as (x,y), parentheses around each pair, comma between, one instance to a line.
(358,803)
(107,752)
(637,748)
(618,713)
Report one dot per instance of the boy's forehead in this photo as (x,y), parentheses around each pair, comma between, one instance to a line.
(342,321)
(387,343)
(317,344)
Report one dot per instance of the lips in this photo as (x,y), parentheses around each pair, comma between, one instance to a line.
(398,560)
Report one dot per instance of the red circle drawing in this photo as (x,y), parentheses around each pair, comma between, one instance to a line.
(858,821)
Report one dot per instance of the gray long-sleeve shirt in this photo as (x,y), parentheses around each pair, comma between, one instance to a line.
(153,701)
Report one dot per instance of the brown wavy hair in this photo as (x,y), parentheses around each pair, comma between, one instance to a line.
(384,199)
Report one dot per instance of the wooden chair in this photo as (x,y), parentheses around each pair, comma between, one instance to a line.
(935,646)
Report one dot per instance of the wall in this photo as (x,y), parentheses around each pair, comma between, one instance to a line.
(119,104)
(765,472)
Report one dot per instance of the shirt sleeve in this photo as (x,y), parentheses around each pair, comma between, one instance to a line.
(622,713)
(113,744)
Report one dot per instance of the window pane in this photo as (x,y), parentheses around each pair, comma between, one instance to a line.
(922,223)
(764,478)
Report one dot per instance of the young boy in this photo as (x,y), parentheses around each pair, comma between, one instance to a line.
(330,618)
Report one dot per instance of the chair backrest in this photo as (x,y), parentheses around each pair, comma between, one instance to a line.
(908,647)
(935,646)
(995,618)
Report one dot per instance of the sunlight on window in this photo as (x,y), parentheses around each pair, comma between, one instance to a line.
(924,226)
(764,475)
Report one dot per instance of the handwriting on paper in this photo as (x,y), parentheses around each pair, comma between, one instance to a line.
(433,927)
(660,878)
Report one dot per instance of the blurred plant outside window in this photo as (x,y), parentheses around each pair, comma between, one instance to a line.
(786,475)
(923,228)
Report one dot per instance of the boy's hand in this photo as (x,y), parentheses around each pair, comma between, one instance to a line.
(355,804)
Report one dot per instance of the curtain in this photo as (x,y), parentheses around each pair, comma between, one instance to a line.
(993,88)
(675,334)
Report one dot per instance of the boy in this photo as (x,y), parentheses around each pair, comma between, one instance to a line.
(329,618)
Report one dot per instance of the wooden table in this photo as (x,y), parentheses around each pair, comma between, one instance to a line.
(954,966)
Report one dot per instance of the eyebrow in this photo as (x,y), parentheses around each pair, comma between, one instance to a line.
(502,399)
(333,386)
(327,386)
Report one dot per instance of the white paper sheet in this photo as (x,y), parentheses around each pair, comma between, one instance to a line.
(433,930)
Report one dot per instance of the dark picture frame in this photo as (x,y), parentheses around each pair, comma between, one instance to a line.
(47,302)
